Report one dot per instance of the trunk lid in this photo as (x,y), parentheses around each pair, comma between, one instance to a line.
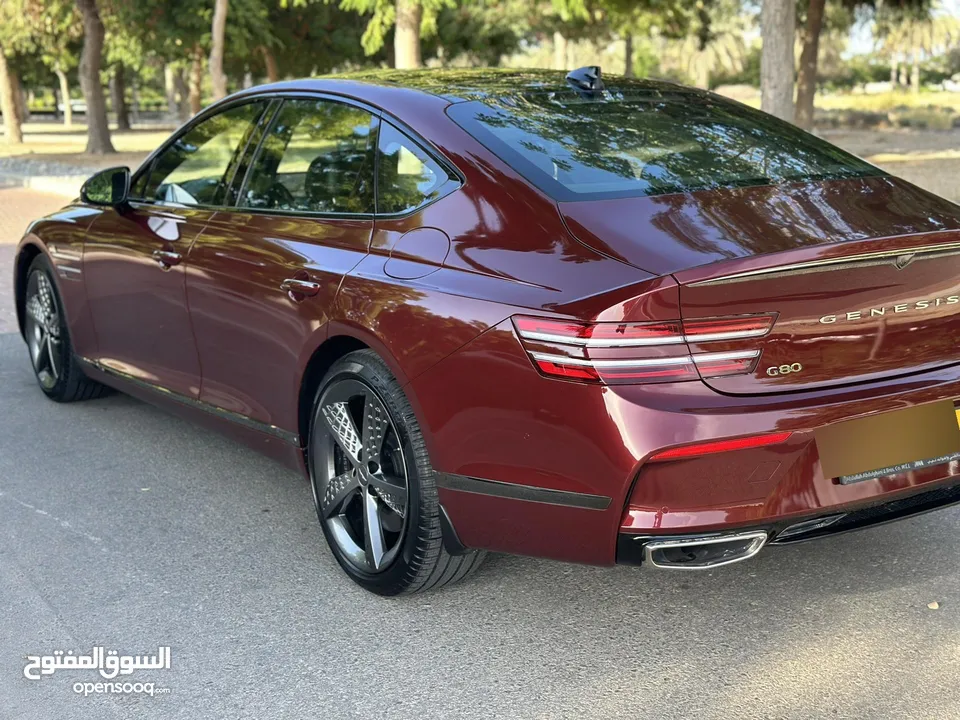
(850,313)
(864,275)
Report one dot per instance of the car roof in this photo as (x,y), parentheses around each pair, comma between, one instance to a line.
(454,85)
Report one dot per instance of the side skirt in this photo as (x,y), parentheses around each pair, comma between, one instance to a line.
(194,404)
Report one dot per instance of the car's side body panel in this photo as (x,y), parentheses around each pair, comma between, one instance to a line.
(250,332)
(525,463)
(138,303)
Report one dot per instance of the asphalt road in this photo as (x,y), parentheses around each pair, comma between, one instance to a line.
(123,527)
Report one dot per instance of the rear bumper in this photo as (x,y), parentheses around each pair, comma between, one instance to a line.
(562,469)
(635,549)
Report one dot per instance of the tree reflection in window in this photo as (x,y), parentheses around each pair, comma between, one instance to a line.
(647,142)
(408,177)
(316,157)
(192,170)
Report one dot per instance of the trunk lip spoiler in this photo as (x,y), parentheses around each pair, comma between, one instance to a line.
(877,257)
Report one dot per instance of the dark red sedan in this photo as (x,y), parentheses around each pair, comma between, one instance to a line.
(598,320)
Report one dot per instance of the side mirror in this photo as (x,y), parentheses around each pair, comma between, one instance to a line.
(109,187)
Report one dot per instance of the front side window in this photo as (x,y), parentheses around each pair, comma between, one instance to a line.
(639,141)
(193,170)
(407,176)
(316,157)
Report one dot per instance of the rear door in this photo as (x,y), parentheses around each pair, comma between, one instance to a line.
(264,275)
(134,256)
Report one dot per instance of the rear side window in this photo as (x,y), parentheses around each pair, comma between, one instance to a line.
(407,177)
(647,142)
(317,156)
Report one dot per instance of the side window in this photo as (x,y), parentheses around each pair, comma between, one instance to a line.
(316,157)
(193,170)
(407,176)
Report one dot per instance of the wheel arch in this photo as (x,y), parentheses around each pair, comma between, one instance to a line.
(322,359)
(27,253)
(344,338)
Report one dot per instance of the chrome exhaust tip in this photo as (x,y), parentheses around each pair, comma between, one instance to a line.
(704,553)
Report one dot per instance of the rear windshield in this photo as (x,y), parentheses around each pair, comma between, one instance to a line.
(648,142)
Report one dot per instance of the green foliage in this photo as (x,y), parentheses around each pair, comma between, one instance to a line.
(480,32)
(306,39)
(383,16)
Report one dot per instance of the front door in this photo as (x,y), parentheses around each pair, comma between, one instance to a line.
(264,275)
(134,256)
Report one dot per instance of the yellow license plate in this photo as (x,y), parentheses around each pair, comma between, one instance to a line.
(889,440)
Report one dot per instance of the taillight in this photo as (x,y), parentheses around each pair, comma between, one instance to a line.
(612,352)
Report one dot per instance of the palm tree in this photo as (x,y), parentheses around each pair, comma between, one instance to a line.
(915,35)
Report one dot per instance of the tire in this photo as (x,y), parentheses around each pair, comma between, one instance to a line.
(363,437)
(48,339)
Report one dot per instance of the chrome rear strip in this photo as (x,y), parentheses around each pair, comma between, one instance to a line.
(880,257)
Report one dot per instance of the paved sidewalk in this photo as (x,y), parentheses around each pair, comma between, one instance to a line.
(18,207)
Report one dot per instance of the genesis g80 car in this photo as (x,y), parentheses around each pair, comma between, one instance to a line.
(594,319)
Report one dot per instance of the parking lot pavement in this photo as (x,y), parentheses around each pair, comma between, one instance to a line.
(126,528)
(18,207)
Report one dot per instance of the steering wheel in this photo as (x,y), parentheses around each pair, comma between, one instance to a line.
(277,195)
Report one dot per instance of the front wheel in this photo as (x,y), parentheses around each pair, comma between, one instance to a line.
(373,484)
(45,329)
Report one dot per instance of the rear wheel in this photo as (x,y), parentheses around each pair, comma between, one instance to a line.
(45,329)
(373,484)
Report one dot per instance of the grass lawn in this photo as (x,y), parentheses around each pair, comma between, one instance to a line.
(55,143)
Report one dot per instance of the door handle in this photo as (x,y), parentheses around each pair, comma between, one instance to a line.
(301,287)
(166,258)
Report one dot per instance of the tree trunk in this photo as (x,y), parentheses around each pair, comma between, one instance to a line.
(8,106)
(135,98)
(903,74)
(777,24)
(65,95)
(196,81)
(702,79)
(807,77)
(19,98)
(170,90)
(628,55)
(270,60)
(183,95)
(894,68)
(98,131)
(406,35)
(915,72)
(217,79)
(118,91)
(559,51)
